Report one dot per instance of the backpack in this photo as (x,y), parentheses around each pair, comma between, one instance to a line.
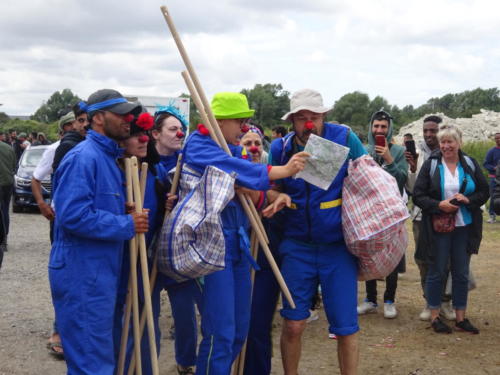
(468,160)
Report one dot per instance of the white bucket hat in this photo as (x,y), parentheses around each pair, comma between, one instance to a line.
(306,99)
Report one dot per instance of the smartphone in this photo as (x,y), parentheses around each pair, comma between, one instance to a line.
(456,202)
(410,147)
(380,140)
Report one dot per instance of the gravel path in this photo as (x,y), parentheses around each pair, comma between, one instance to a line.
(398,346)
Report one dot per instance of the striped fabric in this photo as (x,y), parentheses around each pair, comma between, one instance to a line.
(191,242)
(373,218)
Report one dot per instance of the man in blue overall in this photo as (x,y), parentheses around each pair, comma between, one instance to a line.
(314,252)
(91,226)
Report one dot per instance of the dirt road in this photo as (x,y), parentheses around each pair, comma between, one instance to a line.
(404,345)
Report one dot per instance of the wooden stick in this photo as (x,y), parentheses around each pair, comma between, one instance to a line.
(254,219)
(145,272)
(143,179)
(132,302)
(154,270)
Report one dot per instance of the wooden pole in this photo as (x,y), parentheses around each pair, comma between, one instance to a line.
(132,302)
(154,270)
(253,217)
(145,272)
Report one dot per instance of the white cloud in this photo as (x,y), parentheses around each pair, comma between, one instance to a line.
(404,51)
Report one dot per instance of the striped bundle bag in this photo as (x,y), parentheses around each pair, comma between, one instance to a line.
(191,243)
(373,218)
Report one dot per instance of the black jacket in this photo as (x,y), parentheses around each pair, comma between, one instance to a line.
(427,195)
(70,140)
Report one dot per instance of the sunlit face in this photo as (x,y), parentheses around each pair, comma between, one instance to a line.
(169,138)
(300,122)
(449,147)
(116,127)
(430,134)
(253,144)
(380,127)
(232,129)
(136,145)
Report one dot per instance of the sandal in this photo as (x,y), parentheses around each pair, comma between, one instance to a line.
(53,349)
(181,370)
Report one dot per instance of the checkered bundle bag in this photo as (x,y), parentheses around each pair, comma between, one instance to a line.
(373,218)
(191,242)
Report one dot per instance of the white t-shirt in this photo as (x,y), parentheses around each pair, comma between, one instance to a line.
(451,187)
(44,167)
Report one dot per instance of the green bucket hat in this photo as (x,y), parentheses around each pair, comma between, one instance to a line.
(229,105)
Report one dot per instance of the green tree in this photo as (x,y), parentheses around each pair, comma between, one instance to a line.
(194,115)
(270,102)
(51,110)
(3,117)
(352,109)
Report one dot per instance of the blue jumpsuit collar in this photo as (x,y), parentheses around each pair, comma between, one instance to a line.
(106,144)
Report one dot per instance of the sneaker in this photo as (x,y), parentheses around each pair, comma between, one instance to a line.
(447,311)
(313,315)
(332,336)
(425,315)
(390,311)
(466,326)
(440,327)
(367,307)
(492,219)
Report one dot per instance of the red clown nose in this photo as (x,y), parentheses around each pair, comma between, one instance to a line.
(179,134)
(143,139)
(309,125)
(253,149)
(245,128)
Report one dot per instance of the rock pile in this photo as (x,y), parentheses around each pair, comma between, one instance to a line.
(480,127)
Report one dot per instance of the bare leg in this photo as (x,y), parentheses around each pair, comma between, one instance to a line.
(291,345)
(460,315)
(348,353)
(434,314)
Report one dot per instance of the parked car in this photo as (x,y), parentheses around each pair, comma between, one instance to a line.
(23,196)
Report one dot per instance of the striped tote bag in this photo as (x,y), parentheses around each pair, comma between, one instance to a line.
(373,218)
(191,242)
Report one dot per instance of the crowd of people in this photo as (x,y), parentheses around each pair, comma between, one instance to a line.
(91,224)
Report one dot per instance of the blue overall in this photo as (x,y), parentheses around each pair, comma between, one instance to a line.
(226,293)
(182,296)
(265,295)
(314,251)
(85,263)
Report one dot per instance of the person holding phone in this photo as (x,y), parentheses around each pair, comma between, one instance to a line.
(391,157)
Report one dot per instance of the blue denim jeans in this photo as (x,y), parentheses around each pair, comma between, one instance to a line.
(491,210)
(451,248)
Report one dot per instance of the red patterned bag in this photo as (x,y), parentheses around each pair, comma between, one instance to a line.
(373,217)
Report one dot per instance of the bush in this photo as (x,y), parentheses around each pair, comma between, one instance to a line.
(478,150)
(27,126)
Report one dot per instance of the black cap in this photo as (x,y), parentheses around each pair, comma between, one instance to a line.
(112,101)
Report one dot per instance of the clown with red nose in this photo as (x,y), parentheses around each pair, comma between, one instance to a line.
(157,140)
(253,140)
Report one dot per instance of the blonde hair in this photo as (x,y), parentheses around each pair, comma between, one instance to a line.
(450,131)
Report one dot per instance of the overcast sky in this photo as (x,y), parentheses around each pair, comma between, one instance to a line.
(406,51)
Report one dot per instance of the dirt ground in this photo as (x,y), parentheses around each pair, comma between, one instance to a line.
(404,345)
